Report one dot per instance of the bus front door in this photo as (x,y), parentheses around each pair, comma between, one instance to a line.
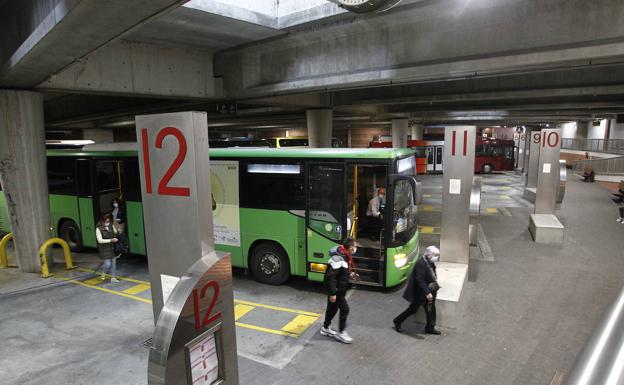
(325,214)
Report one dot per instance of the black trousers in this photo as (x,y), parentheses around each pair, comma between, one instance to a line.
(332,308)
(430,313)
(621,211)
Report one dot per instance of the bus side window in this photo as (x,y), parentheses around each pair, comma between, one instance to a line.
(83,178)
(61,176)
(105,172)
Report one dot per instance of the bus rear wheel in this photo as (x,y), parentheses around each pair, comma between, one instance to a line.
(70,233)
(487,168)
(269,264)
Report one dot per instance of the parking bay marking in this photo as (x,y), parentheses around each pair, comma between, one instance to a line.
(294,328)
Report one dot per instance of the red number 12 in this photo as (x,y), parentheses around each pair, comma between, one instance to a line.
(163,185)
(208,319)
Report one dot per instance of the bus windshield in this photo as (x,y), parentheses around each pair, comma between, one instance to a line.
(405,212)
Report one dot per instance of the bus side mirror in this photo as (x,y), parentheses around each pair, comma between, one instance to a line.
(416,186)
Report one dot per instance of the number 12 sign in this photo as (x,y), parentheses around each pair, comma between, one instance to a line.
(163,186)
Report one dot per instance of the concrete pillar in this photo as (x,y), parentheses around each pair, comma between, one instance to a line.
(417,132)
(349,138)
(582,129)
(319,127)
(23,173)
(98,135)
(399,133)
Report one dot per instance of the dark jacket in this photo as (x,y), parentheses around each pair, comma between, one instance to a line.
(337,273)
(418,284)
(106,250)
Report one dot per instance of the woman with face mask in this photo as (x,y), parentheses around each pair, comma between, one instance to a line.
(119,214)
(105,233)
(421,290)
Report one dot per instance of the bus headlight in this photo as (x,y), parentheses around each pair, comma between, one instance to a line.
(400,260)
(318,267)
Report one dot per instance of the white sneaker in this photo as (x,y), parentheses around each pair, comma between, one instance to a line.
(344,337)
(328,332)
(114,280)
(619,219)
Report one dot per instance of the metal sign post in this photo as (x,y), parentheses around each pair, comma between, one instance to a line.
(543,224)
(527,151)
(194,340)
(521,152)
(535,140)
(459,158)
(548,171)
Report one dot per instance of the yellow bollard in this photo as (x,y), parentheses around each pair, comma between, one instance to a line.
(69,264)
(4,259)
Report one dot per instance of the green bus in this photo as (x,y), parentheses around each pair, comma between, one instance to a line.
(277,211)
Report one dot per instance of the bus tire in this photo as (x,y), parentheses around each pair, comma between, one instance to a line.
(487,168)
(70,233)
(269,263)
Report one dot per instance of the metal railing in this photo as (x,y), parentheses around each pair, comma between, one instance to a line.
(609,166)
(601,362)
(612,146)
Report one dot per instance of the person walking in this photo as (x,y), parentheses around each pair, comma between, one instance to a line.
(105,233)
(336,282)
(421,290)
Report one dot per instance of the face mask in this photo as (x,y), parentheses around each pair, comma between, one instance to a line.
(115,205)
(107,223)
(353,250)
(435,258)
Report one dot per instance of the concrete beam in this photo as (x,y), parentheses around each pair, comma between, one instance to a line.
(140,69)
(427,41)
(45,36)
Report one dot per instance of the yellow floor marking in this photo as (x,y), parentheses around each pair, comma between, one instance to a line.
(240,310)
(266,330)
(426,196)
(426,229)
(299,324)
(284,309)
(429,208)
(503,197)
(491,210)
(118,277)
(141,287)
(110,291)
(93,281)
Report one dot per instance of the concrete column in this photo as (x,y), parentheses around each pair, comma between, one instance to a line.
(23,173)
(98,135)
(319,127)
(417,131)
(399,133)
(349,138)
(582,129)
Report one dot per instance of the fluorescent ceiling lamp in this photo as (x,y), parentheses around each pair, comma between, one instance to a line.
(274,169)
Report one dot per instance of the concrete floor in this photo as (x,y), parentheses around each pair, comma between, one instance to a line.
(525,315)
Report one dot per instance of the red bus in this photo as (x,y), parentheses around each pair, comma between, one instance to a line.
(490,154)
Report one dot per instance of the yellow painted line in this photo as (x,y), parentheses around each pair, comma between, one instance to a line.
(93,281)
(429,208)
(118,277)
(491,210)
(266,330)
(141,287)
(426,229)
(504,197)
(299,324)
(110,291)
(240,310)
(284,309)
(426,196)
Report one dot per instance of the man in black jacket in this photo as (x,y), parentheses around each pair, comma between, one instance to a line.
(336,282)
(420,291)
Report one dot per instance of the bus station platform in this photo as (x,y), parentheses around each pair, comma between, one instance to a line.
(527,310)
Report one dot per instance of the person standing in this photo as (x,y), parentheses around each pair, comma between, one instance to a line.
(105,233)
(119,214)
(336,282)
(374,213)
(421,290)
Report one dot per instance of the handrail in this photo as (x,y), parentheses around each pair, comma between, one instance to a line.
(4,259)
(601,362)
(612,146)
(69,264)
(608,166)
